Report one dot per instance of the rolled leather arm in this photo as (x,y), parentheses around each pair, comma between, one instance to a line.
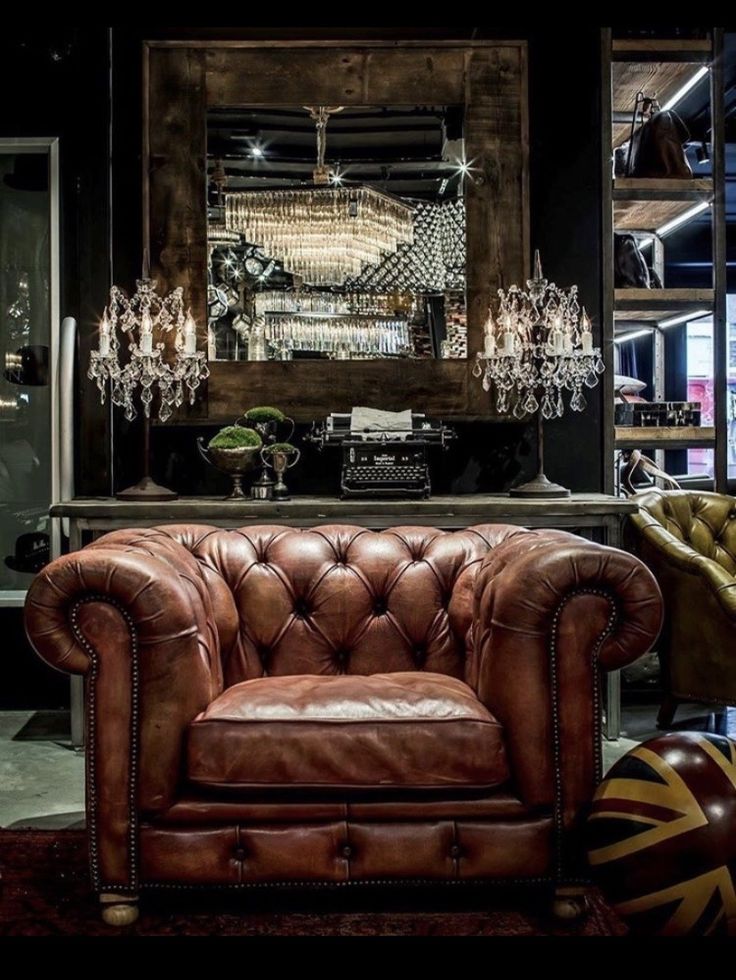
(549,608)
(681,556)
(136,619)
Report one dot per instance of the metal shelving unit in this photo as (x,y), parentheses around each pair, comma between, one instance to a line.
(645,208)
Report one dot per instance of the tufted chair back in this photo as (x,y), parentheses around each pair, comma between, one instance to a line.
(705,521)
(339,599)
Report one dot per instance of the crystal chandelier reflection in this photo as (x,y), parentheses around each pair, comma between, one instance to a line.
(538,348)
(323,234)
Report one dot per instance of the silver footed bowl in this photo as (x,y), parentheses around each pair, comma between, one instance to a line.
(235,462)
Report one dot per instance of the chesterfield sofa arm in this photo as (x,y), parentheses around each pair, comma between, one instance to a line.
(551,611)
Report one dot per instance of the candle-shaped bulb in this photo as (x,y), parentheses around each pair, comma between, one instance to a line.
(146,339)
(190,334)
(104,347)
(586,335)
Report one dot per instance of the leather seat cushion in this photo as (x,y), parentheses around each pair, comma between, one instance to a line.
(408,730)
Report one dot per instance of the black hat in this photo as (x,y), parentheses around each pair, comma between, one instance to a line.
(31,553)
(30,173)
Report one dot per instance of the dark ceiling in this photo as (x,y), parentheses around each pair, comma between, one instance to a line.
(412,151)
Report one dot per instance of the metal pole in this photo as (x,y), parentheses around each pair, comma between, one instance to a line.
(540,443)
(718,224)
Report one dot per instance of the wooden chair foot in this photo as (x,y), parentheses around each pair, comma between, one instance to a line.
(119,910)
(569,904)
(667,711)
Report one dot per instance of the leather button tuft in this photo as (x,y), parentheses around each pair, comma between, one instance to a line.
(347,851)
(301,608)
(380,606)
(455,851)
(239,854)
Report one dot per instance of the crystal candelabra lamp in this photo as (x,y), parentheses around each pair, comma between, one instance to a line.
(537,349)
(139,323)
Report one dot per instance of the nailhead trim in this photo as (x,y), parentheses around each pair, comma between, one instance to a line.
(369,882)
(558,808)
(91,712)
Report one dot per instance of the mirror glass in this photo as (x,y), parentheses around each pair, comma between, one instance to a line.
(336,232)
(25,339)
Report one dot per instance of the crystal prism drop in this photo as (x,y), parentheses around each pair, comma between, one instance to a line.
(530,403)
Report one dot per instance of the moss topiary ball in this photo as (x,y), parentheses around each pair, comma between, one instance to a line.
(280,447)
(265,413)
(235,437)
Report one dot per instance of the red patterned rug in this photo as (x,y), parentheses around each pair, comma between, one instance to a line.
(44,891)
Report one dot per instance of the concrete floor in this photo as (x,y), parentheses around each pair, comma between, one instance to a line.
(42,781)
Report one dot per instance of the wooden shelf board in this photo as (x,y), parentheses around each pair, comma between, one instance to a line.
(645,205)
(662,188)
(663,78)
(698,48)
(676,437)
(654,305)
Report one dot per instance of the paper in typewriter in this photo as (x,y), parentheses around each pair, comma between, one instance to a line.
(372,423)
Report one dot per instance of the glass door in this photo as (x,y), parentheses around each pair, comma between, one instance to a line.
(29,313)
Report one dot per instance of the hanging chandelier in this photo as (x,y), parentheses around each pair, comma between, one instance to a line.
(323,234)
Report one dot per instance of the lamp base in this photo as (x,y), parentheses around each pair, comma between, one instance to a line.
(147,490)
(540,488)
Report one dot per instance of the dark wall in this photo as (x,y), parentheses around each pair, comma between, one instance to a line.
(55,83)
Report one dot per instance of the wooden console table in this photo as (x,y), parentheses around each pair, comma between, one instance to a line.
(593,515)
(92,516)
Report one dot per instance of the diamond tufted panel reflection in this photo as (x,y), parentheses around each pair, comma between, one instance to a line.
(340,599)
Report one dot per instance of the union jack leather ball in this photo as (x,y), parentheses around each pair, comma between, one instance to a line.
(661,835)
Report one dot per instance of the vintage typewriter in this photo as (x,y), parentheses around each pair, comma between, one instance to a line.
(376,462)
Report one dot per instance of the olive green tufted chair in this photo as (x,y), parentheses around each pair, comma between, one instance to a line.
(688,539)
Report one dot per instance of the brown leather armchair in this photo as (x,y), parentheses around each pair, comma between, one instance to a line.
(337,705)
(688,539)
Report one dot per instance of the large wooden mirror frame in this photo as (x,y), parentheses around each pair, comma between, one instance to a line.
(182,79)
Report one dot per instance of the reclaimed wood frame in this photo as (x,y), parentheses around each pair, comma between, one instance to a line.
(183,78)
